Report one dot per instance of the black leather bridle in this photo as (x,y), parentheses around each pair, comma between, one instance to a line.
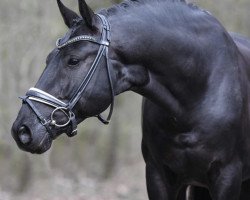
(40,96)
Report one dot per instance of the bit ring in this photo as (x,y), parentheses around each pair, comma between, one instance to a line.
(64,111)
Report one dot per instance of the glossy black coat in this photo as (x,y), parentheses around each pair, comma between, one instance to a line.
(194,77)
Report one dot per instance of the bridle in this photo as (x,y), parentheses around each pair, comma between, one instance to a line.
(40,96)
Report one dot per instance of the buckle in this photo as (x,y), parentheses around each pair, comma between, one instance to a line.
(73,133)
(105,43)
(44,122)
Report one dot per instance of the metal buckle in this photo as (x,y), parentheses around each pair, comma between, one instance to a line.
(73,133)
(44,122)
(105,43)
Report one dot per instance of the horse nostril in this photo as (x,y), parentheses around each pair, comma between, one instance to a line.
(24,135)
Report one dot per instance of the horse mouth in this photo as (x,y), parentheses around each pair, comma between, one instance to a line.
(43,146)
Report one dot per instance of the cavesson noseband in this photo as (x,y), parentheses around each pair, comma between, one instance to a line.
(40,96)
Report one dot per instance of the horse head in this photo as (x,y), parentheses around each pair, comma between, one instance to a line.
(77,83)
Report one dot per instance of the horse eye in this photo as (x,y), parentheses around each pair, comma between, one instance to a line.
(73,62)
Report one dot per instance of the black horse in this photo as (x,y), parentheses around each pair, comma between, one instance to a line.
(194,77)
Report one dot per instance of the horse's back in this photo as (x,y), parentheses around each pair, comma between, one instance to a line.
(238,38)
(243,44)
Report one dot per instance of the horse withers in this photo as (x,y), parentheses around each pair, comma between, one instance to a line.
(194,77)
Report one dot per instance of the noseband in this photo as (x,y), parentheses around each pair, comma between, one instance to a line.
(40,96)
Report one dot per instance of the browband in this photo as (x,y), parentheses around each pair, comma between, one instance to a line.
(80,38)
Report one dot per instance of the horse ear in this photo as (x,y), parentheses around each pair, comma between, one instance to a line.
(68,15)
(87,14)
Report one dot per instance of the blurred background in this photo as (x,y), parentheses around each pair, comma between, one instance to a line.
(101,162)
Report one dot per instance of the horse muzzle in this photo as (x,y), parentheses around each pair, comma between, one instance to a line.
(31,138)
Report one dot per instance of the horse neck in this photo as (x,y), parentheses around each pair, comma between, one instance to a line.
(182,65)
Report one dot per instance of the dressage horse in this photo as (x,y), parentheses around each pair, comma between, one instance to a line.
(193,75)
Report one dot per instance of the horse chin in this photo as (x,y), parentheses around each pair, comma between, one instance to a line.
(44,145)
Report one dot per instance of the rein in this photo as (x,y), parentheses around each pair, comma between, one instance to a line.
(40,96)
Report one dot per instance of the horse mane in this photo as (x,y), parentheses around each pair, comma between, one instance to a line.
(127,5)
(164,12)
